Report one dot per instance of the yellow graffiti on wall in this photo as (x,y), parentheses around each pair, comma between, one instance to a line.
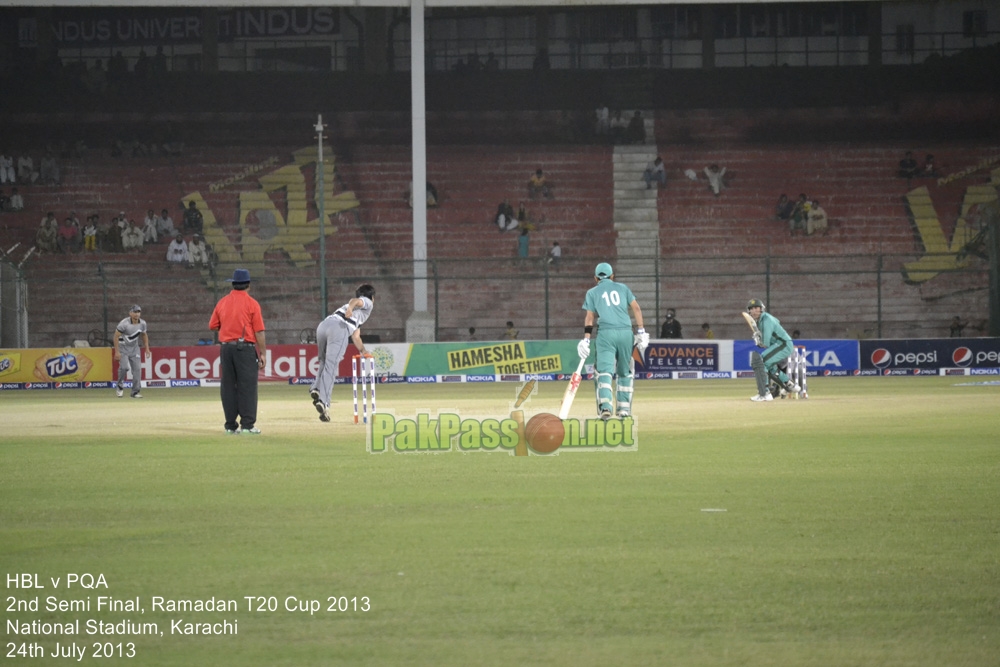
(264,226)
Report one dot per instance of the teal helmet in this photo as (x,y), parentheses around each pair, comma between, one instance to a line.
(756,303)
(603,270)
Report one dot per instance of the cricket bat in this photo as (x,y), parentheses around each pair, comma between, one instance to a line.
(570,394)
(750,320)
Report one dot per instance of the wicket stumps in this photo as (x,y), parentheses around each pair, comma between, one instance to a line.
(367,364)
(797,370)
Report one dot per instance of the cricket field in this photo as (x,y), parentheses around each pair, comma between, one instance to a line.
(860,527)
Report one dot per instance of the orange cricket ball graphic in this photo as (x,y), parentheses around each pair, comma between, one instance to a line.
(544,433)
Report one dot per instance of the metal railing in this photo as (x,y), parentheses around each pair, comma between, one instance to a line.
(822,297)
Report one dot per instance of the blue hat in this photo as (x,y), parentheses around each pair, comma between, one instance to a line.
(240,276)
(604,270)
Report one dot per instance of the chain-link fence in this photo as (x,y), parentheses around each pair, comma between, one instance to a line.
(886,296)
(13,304)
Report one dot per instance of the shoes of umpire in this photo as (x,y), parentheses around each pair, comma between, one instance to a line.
(605,414)
(232,432)
(119,391)
(253,430)
(324,412)
(764,397)
(137,395)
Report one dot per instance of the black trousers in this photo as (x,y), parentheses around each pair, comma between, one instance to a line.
(238,372)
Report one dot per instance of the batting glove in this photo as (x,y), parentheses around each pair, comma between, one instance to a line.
(641,340)
(583,348)
(758,340)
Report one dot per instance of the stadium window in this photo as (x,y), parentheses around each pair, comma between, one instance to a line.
(974,23)
(606,24)
(904,39)
(727,21)
(755,22)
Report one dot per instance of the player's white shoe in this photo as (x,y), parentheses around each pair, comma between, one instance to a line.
(605,414)
(792,388)
(761,397)
(622,414)
(136,395)
(119,392)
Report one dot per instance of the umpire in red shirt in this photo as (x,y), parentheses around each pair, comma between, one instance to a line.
(240,325)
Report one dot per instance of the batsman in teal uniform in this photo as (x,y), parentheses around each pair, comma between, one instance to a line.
(773,360)
(608,304)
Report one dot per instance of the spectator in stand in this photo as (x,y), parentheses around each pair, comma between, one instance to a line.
(602,121)
(957,326)
(472,334)
(48,233)
(49,170)
(908,166)
(800,214)
(26,169)
(432,195)
(68,237)
(199,254)
(16,202)
(149,231)
(117,71)
(655,171)
(90,234)
(541,62)
(158,67)
(716,178)
(142,71)
(783,209)
(177,252)
(132,237)
(538,185)
(522,213)
(103,233)
(671,327)
(929,170)
(7,169)
(165,226)
(619,125)
(193,220)
(510,333)
(115,238)
(555,254)
(706,331)
(635,133)
(95,79)
(817,220)
(522,244)
(4,202)
(505,219)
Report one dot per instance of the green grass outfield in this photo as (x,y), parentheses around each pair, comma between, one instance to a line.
(861,527)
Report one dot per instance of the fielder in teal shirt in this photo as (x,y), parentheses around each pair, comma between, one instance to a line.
(608,303)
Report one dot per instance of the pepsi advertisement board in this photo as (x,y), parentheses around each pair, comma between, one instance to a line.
(931,353)
(823,357)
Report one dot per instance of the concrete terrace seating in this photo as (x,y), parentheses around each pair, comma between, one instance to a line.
(855,181)
(471,181)
(856,186)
